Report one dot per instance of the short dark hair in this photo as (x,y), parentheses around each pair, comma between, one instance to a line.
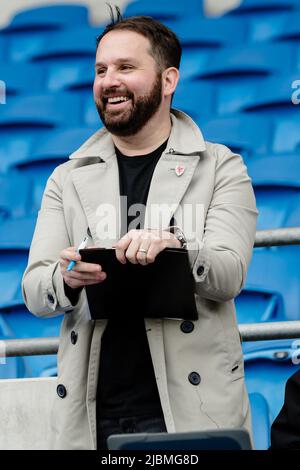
(165,46)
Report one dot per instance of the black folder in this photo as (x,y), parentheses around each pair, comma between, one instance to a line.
(163,289)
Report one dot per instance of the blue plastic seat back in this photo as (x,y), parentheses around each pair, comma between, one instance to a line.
(52,17)
(287,126)
(41,111)
(276,269)
(259,305)
(260,421)
(17,143)
(244,134)
(195,32)
(245,62)
(71,75)
(16,84)
(259,7)
(14,197)
(281,170)
(50,47)
(269,96)
(195,98)
(164,9)
(12,267)
(17,233)
(268,365)
(278,206)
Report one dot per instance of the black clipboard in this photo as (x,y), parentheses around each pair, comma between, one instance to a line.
(163,289)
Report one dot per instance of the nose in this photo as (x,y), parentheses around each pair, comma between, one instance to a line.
(110,79)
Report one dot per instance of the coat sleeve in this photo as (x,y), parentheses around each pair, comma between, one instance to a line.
(221,262)
(42,284)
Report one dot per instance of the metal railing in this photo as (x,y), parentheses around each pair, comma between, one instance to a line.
(248,331)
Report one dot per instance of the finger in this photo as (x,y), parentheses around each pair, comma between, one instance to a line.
(141,256)
(132,250)
(75,283)
(84,276)
(69,254)
(121,248)
(154,249)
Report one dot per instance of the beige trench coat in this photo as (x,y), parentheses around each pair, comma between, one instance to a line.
(220,252)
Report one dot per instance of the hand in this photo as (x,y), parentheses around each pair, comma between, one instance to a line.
(153,241)
(83,274)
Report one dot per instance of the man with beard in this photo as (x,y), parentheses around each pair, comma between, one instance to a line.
(136,374)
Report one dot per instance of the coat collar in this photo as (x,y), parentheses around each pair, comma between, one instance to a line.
(97,180)
(185,139)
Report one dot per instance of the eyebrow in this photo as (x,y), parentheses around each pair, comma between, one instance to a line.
(119,61)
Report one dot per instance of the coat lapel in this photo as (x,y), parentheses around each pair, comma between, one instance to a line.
(97,185)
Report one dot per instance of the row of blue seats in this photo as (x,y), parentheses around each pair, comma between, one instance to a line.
(276,181)
(221,88)
(269,22)
(61,16)
(37,134)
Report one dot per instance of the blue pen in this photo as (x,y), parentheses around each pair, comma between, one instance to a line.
(81,247)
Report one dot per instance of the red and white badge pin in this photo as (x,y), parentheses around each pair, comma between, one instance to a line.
(179,170)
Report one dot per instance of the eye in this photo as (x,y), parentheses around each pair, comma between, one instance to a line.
(126,67)
(100,71)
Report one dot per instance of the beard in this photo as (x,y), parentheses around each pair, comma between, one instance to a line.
(130,121)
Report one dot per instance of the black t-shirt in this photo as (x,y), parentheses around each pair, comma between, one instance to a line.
(126,384)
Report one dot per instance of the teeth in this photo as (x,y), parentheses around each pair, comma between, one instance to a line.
(115,99)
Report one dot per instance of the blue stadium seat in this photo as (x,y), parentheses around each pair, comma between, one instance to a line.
(52,17)
(251,61)
(208,33)
(193,62)
(164,9)
(254,305)
(276,269)
(275,169)
(268,365)
(257,7)
(17,84)
(17,143)
(195,98)
(267,27)
(90,115)
(14,197)
(50,151)
(286,134)
(265,95)
(41,111)
(23,324)
(273,97)
(260,421)
(50,47)
(77,43)
(12,266)
(77,75)
(243,134)
(16,234)
(278,205)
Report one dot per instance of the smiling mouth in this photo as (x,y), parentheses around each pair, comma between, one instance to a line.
(116,101)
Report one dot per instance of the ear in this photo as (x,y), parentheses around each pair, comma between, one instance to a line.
(170,78)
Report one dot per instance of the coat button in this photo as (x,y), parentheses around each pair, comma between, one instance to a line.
(50,298)
(200,270)
(61,391)
(194,378)
(73,337)
(187,326)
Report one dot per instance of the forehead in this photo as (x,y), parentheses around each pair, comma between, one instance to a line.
(118,44)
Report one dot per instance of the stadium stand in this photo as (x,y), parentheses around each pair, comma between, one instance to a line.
(236,78)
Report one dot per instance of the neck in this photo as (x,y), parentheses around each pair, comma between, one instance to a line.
(149,138)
